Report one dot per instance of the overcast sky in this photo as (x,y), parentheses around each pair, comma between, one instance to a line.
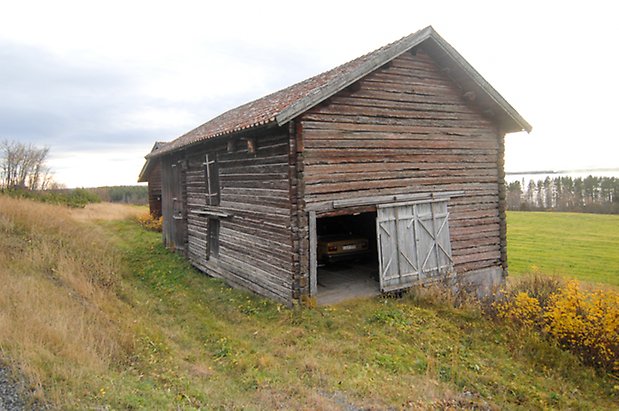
(99,81)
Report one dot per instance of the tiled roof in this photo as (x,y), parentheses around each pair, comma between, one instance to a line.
(285,104)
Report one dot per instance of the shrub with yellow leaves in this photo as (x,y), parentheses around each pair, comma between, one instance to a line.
(585,322)
(521,309)
(150,222)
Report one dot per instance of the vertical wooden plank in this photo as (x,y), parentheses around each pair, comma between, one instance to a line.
(417,229)
(435,234)
(406,245)
(387,236)
(396,219)
(379,246)
(184,228)
(313,240)
(209,189)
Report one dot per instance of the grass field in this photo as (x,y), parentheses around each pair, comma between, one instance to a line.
(129,325)
(581,246)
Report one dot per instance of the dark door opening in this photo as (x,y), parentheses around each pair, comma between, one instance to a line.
(347,257)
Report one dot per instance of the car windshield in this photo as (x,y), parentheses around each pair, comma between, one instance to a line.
(332,228)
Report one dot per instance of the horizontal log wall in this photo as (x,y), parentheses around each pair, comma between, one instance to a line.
(255,246)
(407,128)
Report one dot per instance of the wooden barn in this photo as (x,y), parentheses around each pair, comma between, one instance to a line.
(151,174)
(400,151)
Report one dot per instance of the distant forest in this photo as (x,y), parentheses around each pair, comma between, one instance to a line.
(122,194)
(589,195)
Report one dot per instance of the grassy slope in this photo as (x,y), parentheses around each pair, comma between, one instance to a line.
(160,335)
(584,246)
(224,347)
(62,325)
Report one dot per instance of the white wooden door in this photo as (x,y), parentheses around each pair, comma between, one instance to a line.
(413,243)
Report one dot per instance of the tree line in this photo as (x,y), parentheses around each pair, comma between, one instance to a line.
(591,194)
(24,173)
(122,194)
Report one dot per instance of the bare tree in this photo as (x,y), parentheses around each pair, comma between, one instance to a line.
(23,166)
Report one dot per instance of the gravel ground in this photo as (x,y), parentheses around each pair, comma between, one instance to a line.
(10,399)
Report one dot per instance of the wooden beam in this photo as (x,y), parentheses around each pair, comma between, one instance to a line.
(313,239)
(212,213)
(409,203)
(353,202)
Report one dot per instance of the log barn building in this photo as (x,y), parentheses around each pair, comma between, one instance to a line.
(403,147)
(151,174)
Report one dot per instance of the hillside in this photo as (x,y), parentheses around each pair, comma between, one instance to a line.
(128,325)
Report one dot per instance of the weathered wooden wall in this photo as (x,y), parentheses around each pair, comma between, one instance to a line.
(407,128)
(174,202)
(154,190)
(255,247)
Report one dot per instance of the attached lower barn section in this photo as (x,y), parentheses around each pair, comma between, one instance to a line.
(380,174)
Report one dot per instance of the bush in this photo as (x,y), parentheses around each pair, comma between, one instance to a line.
(150,222)
(584,322)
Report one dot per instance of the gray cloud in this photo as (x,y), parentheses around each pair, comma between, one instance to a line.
(45,99)
(71,104)
(79,106)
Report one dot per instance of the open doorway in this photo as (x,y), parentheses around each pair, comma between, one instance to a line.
(347,257)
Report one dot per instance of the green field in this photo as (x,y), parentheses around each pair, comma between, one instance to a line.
(581,246)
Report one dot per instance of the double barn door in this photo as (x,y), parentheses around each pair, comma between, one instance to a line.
(413,243)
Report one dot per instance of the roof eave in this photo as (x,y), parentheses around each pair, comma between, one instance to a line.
(143,177)
(232,134)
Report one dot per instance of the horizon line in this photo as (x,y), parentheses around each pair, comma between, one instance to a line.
(579,170)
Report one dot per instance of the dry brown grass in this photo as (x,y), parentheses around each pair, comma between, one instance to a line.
(59,315)
(107,211)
